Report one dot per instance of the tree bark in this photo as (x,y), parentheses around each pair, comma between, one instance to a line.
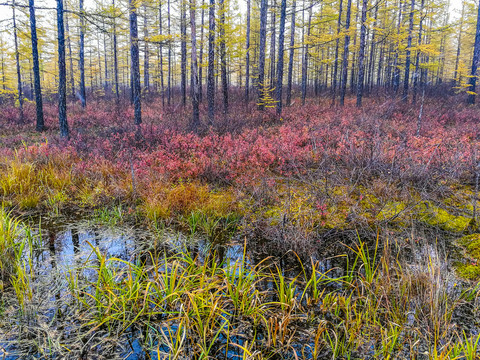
(408,52)
(223,56)
(183,45)
(135,63)
(476,57)
(211,64)
(361,55)
(62,73)
(337,45)
(40,126)
(17,62)
(81,63)
(281,41)
(247,59)
(195,91)
(261,53)
(345,55)
(292,55)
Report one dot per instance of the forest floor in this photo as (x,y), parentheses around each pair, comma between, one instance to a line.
(328,233)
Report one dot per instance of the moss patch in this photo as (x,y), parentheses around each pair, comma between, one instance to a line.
(434,216)
(470,269)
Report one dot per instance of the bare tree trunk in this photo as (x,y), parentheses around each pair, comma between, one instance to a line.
(272,43)
(115,57)
(160,65)
(371,63)
(292,55)
(62,73)
(169,55)
(200,75)
(196,90)
(345,55)
(337,44)
(211,64)
(40,126)
(396,68)
(281,41)
(476,57)
(459,46)
(247,60)
(146,57)
(81,63)
(135,63)
(17,61)
(72,76)
(305,56)
(407,60)
(223,55)
(361,55)
(183,30)
(261,55)
(417,56)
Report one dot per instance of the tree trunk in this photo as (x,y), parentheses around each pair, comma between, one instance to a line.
(281,41)
(62,73)
(169,55)
(81,63)
(305,57)
(396,68)
(200,71)
(160,65)
(417,56)
(195,91)
(115,57)
(345,55)
(247,60)
(407,60)
(459,45)
(337,44)
(292,55)
(223,55)
(146,57)
(135,63)
(211,64)
(273,43)
(183,30)
(361,55)
(476,57)
(261,54)
(40,126)
(70,56)
(17,61)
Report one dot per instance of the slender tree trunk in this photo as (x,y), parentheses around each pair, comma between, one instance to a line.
(40,126)
(196,90)
(407,60)
(135,63)
(476,57)
(146,57)
(305,56)
(416,76)
(70,56)
(169,55)
(62,73)
(396,68)
(105,64)
(223,55)
(115,56)
(247,60)
(345,55)
(292,55)
(200,75)
(459,46)
(273,43)
(337,44)
(160,65)
(281,41)
(183,30)
(17,61)
(211,64)
(361,55)
(81,63)
(261,55)
(371,63)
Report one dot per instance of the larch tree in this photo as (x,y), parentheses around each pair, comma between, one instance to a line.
(135,63)
(261,54)
(196,90)
(62,73)
(361,54)
(343,89)
(281,41)
(211,63)
(40,124)
(475,59)
(17,62)
(406,79)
